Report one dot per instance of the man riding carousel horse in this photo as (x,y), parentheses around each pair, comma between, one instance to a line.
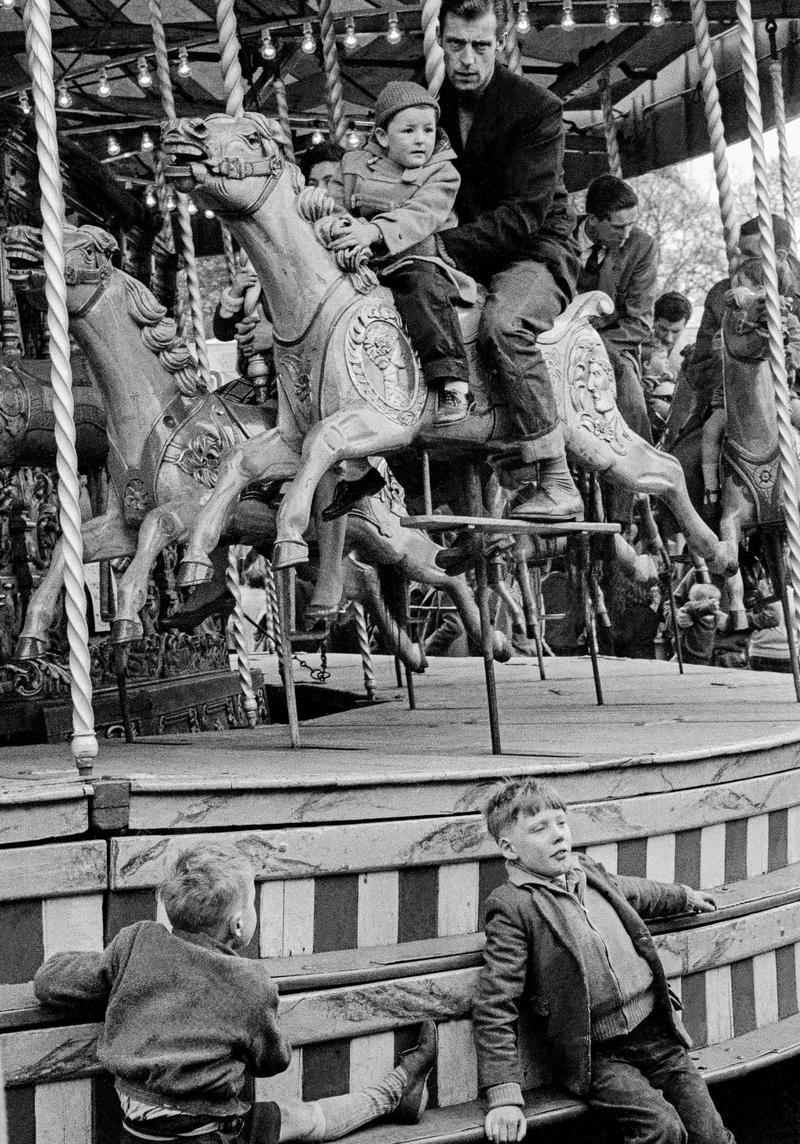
(514,235)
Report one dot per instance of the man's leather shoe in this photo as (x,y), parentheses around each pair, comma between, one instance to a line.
(347,494)
(461,557)
(556,498)
(418,1063)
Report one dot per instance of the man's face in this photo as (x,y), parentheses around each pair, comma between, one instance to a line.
(470,48)
(666,332)
(613,231)
(322,173)
(541,842)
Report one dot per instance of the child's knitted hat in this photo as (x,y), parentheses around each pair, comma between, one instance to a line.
(399,95)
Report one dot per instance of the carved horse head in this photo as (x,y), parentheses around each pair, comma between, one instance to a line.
(87,263)
(231,165)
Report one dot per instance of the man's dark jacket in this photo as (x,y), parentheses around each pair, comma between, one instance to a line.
(533,967)
(512,204)
(628,276)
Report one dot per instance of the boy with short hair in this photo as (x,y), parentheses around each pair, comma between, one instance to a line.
(186,1019)
(565,940)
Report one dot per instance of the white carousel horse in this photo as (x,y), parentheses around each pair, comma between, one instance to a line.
(349,382)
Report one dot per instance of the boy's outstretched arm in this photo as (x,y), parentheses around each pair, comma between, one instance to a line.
(74,980)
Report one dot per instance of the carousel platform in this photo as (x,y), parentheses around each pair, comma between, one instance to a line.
(372,867)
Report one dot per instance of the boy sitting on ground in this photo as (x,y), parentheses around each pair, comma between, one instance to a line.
(565,939)
(400,190)
(186,1019)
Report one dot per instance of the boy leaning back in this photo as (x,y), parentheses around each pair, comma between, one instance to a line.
(186,1019)
(566,940)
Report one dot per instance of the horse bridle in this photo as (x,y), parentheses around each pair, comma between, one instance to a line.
(239,169)
(83,276)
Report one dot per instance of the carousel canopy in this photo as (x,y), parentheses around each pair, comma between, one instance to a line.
(104,69)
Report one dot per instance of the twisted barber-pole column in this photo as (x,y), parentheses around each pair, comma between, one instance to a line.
(777,360)
(434,56)
(184,218)
(236,628)
(610,126)
(365,649)
(716,128)
(333,74)
(776,76)
(36,19)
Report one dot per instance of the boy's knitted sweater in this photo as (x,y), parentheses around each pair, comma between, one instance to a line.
(185,1017)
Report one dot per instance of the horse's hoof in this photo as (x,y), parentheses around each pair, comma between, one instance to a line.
(194,572)
(502,649)
(29,647)
(287,553)
(125,632)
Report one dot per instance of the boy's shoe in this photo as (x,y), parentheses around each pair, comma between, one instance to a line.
(453,407)
(347,494)
(418,1063)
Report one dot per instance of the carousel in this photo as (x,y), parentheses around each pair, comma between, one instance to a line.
(143,142)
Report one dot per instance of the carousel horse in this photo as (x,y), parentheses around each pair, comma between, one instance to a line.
(166,435)
(349,382)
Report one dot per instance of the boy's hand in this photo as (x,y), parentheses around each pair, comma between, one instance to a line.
(358,233)
(242,282)
(505,1124)
(700,902)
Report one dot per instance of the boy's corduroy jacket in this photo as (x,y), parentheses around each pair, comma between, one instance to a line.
(532,964)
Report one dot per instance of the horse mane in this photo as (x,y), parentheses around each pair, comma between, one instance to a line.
(160,336)
(316,206)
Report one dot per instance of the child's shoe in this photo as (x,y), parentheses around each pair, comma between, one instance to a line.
(453,407)
(418,1063)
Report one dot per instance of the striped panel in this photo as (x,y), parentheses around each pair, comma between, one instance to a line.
(21,940)
(371,1058)
(286,918)
(64,1112)
(632,857)
(693,996)
(105,1109)
(757,845)
(287,1084)
(744,1008)
(793,835)
(378,906)
(778,843)
(736,850)
(491,874)
(712,855)
(765,988)
(418,903)
(660,859)
(72,923)
(458,899)
(787,981)
(606,855)
(719,1005)
(335,912)
(457,1066)
(125,909)
(687,858)
(21,1114)
(326,1069)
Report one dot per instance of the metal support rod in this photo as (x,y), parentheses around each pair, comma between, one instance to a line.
(533,628)
(775,548)
(475,502)
(784,160)
(285,588)
(427,495)
(584,563)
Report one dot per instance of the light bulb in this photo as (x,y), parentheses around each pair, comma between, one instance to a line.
(567,19)
(658,16)
(268,49)
(146,143)
(24,103)
(8,3)
(191,206)
(144,79)
(353,139)
(350,40)
(317,137)
(208,212)
(184,67)
(113,145)
(308,45)
(150,199)
(612,15)
(103,88)
(64,97)
(523,21)
(170,200)
(394,35)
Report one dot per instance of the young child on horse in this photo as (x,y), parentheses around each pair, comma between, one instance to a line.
(187,1020)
